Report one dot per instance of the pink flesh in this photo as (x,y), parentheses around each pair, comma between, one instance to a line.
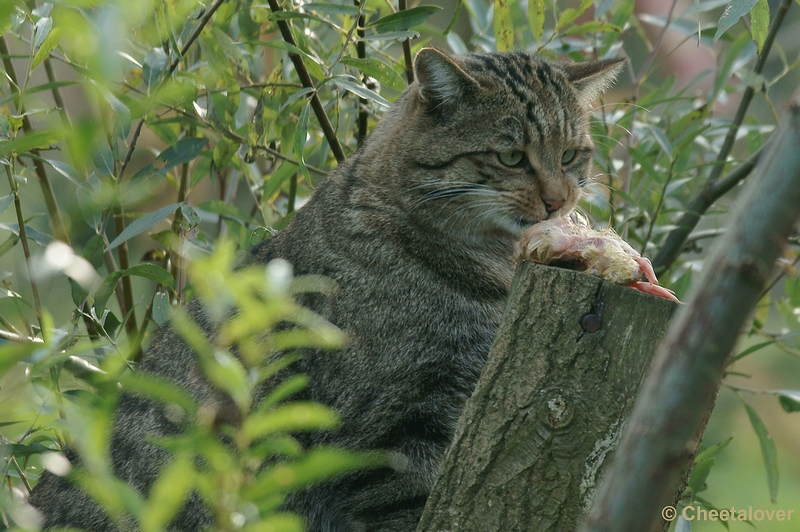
(653,289)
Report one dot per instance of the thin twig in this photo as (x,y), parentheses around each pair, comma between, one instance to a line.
(401,6)
(19,338)
(361,51)
(195,34)
(673,244)
(305,79)
(59,229)
(699,205)
(279,155)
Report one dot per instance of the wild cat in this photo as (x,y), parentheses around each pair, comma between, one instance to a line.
(418,229)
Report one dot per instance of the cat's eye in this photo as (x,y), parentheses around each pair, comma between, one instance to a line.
(568,156)
(512,158)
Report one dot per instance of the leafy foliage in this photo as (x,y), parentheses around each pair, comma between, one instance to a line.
(138,136)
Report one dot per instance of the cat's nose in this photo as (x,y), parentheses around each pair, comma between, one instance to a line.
(552,205)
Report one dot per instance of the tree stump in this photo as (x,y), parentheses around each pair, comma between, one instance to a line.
(550,406)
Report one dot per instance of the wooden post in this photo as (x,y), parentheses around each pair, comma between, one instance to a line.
(550,405)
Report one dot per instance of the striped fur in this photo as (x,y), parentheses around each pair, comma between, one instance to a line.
(417,229)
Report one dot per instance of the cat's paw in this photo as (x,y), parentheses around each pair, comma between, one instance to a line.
(601,253)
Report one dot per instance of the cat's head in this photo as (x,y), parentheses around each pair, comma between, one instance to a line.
(502,140)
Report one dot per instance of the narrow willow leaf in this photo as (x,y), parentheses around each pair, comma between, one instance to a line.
(30,141)
(711,452)
(152,272)
(735,10)
(69,172)
(154,63)
(9,244)
(536,18)
(568,15)
(143,224)
(363,92)
(378,70)
(700,472)
(503,25)
(149,271)
(391,36)
(184,151)
(47,46)
(759,23)
(42,31)
(768,451)
(456,13)
(6,202)
(292,417)
(167,494)
(404,20)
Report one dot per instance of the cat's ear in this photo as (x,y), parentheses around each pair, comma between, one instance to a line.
(591,78)
(441,80)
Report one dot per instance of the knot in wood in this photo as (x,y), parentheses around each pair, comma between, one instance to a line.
(559,414)
(591,323)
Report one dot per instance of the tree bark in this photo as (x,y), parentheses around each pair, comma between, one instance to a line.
(670,415)
(550,405)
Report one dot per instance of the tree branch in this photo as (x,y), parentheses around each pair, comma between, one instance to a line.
(670,413)
(305,79)
(401,6)
(673,245)
(698,206)
(59,229)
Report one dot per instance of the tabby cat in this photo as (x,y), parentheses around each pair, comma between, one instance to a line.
(417,228)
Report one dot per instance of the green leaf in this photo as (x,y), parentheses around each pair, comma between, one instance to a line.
(292,417)
(6,202)
(32,234)
(378,70)
(47,46)
(9,244)
(454,19)
(223,209)
(167,494)
(149,271)
(284,390)
(358,90)
(711,452)
(594,26)
(184,151)
(503,25)
(319,464)
(789,399)
(391,36)
(568,15)
(404,20)
(759,23)
(723,73)
(30,141)
(768,451)
(700,472)
(143,224)
(42,31)
(735,10)
(153,66)
(152,272)
(536,18)
(278,522)
(69,172)
(751,349)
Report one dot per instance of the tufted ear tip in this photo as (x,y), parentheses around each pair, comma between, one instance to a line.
(592,78)
(441,80)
